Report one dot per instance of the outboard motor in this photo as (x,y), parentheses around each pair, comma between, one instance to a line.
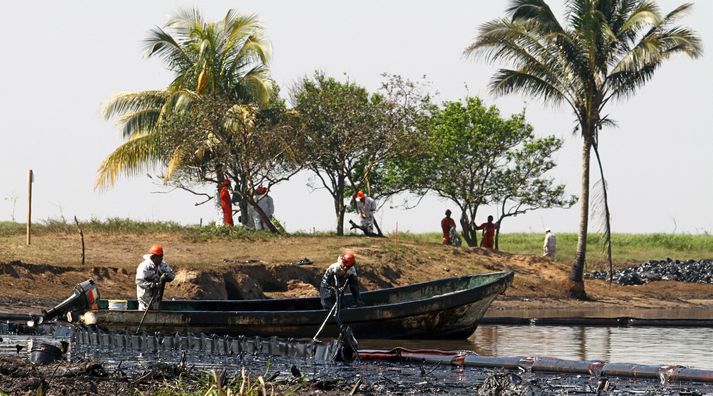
(85,295)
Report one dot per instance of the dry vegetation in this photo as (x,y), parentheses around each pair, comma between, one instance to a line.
(207,264)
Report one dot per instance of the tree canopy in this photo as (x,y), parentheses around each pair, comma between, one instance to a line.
(350,133)
(472,156)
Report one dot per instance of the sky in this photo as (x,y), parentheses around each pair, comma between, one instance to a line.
(63,59)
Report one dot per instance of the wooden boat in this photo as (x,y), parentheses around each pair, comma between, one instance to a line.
(444,308)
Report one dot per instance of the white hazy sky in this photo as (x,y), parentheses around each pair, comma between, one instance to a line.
(63,59)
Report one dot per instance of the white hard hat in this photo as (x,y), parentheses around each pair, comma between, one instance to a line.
(547,230)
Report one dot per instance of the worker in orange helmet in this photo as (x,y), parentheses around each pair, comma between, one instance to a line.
(151,275)
(226,202)
(336,278)
(366,207)
(266,204)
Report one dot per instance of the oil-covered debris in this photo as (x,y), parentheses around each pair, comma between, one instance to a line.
(94,342)
(700,271)
(281,375)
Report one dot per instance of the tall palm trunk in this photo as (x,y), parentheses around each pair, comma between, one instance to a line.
(576,277)
(607,215)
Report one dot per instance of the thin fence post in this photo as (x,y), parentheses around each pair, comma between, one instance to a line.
(81,237)
(29,207)
(396,245)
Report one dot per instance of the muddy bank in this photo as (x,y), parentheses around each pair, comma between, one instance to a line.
(18,377)
(293,267)
(28,284)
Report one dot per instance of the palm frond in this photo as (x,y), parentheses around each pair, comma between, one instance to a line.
(259,85)
(506,81)
(179,155)
(638,65)
(137,155)
(537,10)
(240,26)
(646,14)
(161,44)
(140,121)
(130,102)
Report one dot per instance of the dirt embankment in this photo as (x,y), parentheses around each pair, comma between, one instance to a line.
(256,269)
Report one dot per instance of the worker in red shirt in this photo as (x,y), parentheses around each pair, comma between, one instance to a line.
(446,224)
(226,203)
(489,229)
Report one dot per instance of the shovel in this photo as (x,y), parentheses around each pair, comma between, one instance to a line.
(158,292)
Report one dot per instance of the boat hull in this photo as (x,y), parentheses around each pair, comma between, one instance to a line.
(446,308)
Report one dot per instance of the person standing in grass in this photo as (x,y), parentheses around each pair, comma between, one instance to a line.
(226,203)
(489,230)
(550,245)
(446,224)
(266,204)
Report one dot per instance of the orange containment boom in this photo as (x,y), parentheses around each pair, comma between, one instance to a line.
(666,373)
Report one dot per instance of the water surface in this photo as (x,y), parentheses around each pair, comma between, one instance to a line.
(691,347)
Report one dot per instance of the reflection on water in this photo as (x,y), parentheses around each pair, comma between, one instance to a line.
(691,347)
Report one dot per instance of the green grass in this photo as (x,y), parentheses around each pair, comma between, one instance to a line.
(127,226)
(626,248)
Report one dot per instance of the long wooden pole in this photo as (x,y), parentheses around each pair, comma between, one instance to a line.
(29,207)
(81,237)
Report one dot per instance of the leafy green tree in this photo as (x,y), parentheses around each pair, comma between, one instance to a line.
(223,61)
(607,51)
(466,146)
(522,185)
(349,134)
(250,146)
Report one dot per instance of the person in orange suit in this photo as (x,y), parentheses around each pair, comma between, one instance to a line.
(489,229)
(446,224)
(226,203)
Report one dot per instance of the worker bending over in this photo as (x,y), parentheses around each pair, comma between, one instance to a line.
(366,207)
(151,274)
(337,276)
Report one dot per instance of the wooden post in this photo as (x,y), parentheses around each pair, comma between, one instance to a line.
(396,243)
(81,236)
(29,207)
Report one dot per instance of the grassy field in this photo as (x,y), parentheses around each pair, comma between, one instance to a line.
(627,248)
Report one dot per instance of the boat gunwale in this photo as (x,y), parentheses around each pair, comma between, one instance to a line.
(397,309)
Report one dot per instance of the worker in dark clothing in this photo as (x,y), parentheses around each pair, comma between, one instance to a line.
(489,229)
(336,278)
(446,224)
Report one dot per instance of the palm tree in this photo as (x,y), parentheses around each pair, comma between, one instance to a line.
(607,51)
(225,60)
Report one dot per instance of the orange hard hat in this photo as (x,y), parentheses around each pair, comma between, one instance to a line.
(348,259)
(226,182)
(360,194)
(261,190)
(156,249)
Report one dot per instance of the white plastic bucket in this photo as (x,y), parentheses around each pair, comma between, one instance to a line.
(118,305)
